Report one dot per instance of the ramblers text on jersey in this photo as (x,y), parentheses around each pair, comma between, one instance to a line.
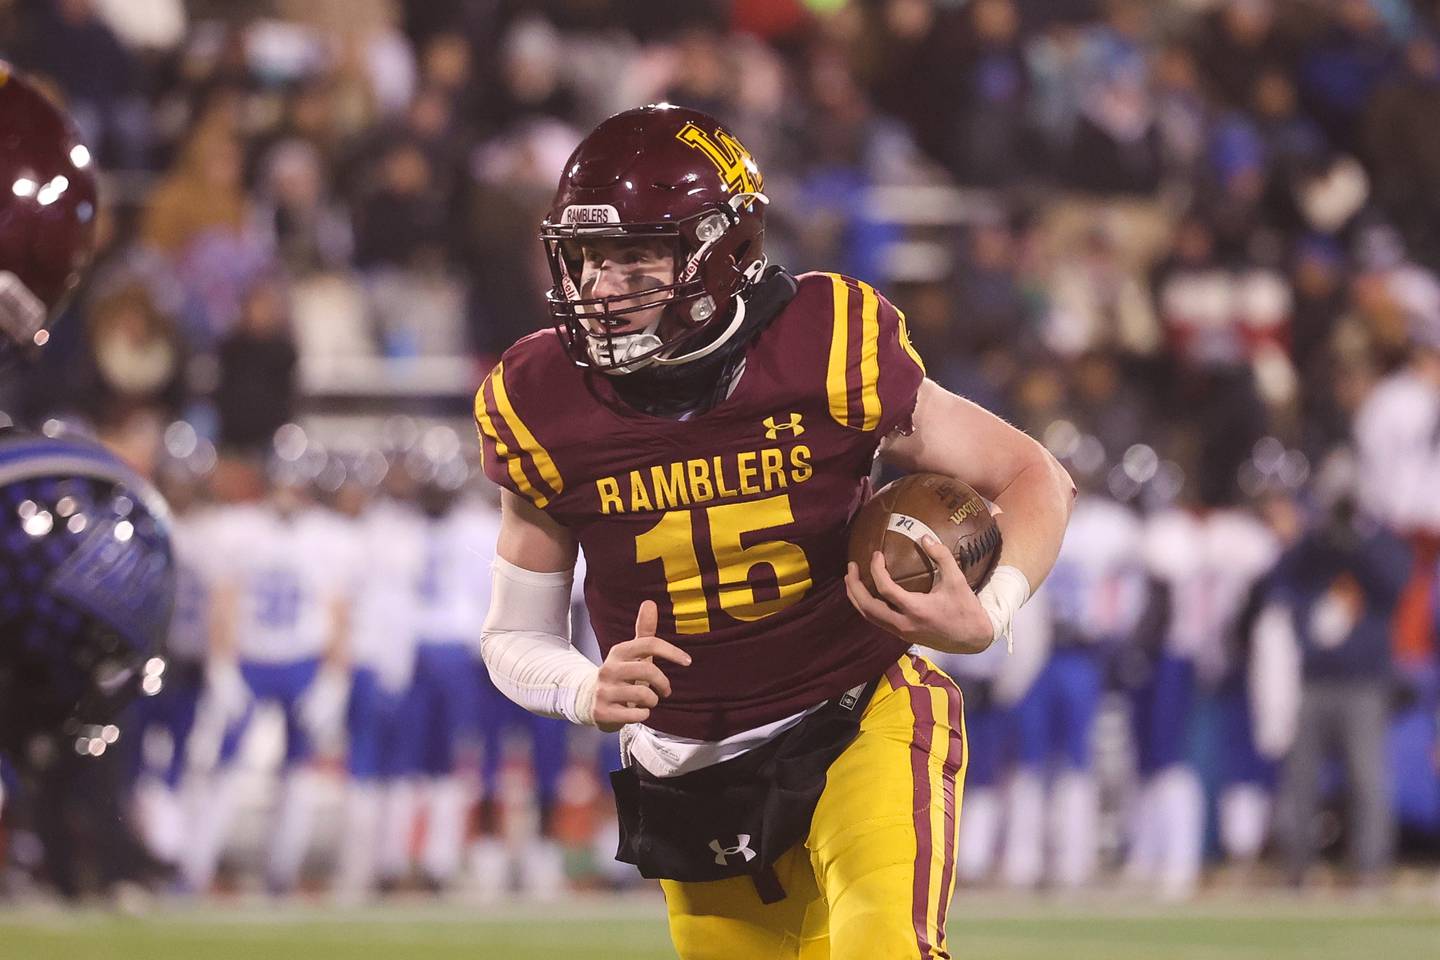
(682,483)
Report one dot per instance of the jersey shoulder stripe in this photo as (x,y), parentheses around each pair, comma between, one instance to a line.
(505,435)
(861,322)
(906,343)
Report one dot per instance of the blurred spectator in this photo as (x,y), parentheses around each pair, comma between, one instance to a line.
(1293,146)
(1339,584)
(69,42)
(988,133)
(1059,59)
(138,359)
(402,222)
(308,231)
(433,125)
(531,80)
(446,64)
(847,149)
(908,55)
(1318,278)
(1116,148)
(154,26)
(1237,43)
(510,195)
(1181,113)
(1097,303)
(1396,431)
(1402,143)
(1339,73)
(704,79)
(308,117)
(997,313)
(203,192)
(1108,405)
(1225,327)
(257,381)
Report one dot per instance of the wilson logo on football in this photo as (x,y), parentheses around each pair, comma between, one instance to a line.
(774,427)
(741,849)
(729,156)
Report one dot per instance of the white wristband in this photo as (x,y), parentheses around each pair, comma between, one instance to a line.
(1004,593)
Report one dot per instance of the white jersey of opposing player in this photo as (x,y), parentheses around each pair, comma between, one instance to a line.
(385,611)
(1397,430)
(1210,562)
(191,543)
(1096,590)
(454,583)
(289,572)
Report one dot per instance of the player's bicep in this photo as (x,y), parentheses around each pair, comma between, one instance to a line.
(531,539)
(961,439)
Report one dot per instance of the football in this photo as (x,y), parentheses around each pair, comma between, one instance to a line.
(894,520)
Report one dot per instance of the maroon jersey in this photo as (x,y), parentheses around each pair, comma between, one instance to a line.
(733,521)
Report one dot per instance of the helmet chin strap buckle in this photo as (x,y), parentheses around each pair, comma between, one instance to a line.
(752,273)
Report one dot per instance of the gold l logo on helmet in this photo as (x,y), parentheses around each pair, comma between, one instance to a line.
(728,154)
(773,428)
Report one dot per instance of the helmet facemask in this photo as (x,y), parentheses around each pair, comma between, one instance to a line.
(707,252)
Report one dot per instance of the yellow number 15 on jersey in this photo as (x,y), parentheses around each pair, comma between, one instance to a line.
(731,527)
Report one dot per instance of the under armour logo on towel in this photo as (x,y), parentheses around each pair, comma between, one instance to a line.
(742,847)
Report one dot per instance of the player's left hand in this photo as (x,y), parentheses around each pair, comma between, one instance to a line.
(949,618)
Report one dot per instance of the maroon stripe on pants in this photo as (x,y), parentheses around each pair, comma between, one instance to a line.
(954,760)
(920,744)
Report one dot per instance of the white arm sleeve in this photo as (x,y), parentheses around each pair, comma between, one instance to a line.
(526,644)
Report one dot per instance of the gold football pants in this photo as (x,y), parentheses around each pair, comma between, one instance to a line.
(873,878)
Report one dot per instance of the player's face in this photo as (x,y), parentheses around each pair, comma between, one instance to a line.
(625,267)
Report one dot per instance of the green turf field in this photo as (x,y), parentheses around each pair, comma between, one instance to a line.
(983,927)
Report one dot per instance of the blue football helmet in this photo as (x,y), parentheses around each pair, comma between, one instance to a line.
(86,586)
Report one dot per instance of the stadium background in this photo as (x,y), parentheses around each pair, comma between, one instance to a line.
(1182,243)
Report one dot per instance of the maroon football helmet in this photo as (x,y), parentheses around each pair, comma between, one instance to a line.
(666,172)
(47,211)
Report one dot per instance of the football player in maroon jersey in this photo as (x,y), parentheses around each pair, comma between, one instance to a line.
(702,424)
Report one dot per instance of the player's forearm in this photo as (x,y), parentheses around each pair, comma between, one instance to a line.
(526,644)
(542,673)
(1036,508)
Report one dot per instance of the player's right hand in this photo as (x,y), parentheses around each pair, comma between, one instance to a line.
(630,684)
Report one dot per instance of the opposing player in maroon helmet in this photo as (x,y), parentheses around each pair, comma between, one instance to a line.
(703,424)
(47,211)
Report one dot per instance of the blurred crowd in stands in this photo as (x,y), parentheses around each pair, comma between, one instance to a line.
(1191,245)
